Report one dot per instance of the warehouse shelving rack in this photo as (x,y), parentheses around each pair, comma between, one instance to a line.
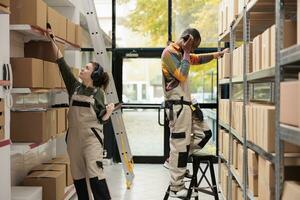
(287,60)
(240,31)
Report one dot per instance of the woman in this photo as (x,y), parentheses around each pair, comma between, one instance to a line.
(86,116)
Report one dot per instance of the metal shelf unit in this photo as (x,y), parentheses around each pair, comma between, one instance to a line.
(240,31)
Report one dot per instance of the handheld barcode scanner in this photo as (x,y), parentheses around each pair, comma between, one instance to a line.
(49,27)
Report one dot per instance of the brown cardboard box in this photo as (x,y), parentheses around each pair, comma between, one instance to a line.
(4,3)
(291,190)
(27,72)
(226,65)
(35,127)
(49,167)
(250,69)
(240,160)
(63,160)
(290,38)
(258,52)
(2,119)
(266,46)
(61,120)
(225,145)
(41,50)
(78,35)
(267,140)
(239,193)
(1,105)
(253,172)
(71,32)
(58,23)
(220,139)
(234,187)
(235,154)
(289,102)
(52,77)
(53,183)
(33,12)
(266,180)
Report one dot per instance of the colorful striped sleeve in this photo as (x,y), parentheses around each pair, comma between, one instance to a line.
(178,68)
(197,59)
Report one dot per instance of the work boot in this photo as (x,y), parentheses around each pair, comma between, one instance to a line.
(182,194)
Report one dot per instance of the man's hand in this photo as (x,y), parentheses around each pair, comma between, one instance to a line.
(221,53)
(187,46)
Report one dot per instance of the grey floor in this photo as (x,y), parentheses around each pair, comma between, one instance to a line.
(150,183)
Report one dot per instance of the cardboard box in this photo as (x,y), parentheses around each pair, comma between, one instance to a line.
(266,180)
(220,139)
(291,190)
(1,105)
(235,154)
(78,35)
(53,183)
(226,65)
(289,103)
(4,3)
(63,160)
(2,135)
(61,120)
(52,77)
(290,38)
(36,127)
(234,187)
(257,52)
(42,50)
(266,47)
(240,160)
(58,23)
(253,172)
(2,119)
(71,32)
(239,193)
(27,72)
(226,145)
(50,167)
(33,12)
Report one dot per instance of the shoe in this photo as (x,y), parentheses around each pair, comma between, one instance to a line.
(188,174)
(182,194)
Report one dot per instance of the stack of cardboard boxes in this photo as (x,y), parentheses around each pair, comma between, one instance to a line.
(53,176)
(228,12)
(264,45)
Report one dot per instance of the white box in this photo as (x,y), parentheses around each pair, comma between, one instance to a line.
(26,193)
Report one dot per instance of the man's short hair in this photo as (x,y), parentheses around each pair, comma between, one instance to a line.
(191,31)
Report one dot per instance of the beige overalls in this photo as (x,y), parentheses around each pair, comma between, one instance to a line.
(187,132)
(85,146)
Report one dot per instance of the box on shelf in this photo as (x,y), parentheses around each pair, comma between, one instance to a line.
(226,65)
(235,154)
(289,102)
(42,50)
(220,138)
(239,193)
(240,160)
(36,127)
(253,172)
(58,23)
(5,3)
(257,53)
(291,190)
(63,160)
(226,145)
(27,72)
(266,180)
(2,134)
(53,183)
(266,46)
(234,187)
(52,77)
(33,12)
(71,32)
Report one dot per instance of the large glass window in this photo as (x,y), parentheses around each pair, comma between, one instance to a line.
(142,81)
(141,23)
(199,14)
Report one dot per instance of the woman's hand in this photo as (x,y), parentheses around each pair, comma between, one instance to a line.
(110,108)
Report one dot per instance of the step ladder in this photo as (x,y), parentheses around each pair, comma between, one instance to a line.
(111,94)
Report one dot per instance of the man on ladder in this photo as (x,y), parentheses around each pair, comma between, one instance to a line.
(184,119)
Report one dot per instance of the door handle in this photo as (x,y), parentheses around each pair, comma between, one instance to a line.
(161,124)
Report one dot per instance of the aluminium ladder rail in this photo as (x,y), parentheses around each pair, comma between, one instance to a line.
(111,94)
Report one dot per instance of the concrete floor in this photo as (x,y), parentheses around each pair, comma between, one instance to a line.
(150,183)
